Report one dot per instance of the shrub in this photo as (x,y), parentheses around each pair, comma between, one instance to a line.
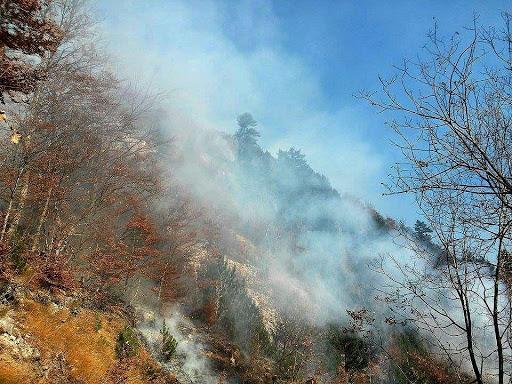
(413,362)
(150,372)
(348,349)
(127,343)
(97,322)
(53,272)
(169,343)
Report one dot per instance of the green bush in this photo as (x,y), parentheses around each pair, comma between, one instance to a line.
(169,343)
(127,343)
(150,372)
(97,322)
(348,348)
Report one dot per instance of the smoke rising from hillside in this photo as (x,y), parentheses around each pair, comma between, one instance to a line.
(209,79)
(189,363)
(311,249)
(326,269)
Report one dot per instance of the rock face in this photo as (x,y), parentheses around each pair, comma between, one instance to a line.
(19,347)
(7,324)
(11,339)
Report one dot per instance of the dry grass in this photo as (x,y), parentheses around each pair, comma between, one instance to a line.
(15,372)
(74,349)
(88,353)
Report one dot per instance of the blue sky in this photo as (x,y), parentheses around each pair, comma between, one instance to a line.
(295,65)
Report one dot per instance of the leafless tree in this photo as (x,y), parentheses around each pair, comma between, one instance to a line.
(293,348)
(84,163)
(453,120)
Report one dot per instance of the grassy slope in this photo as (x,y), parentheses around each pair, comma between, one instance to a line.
(49,343)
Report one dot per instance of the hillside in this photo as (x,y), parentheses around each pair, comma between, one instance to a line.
(54,338)
(142,244)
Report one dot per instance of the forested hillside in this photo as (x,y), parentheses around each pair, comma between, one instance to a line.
(137,250)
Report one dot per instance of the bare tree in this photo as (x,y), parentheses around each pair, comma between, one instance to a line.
(454,126)
(293,348)
(76,183)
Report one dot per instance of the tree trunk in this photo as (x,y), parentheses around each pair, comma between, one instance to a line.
(9,209)
(495,314)
(19,209)
(42,219)
(6,219)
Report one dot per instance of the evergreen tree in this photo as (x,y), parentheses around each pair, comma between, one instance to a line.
(246,137)
(422,231)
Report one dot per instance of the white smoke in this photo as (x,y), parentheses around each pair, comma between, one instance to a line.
(189,364)
(209,81)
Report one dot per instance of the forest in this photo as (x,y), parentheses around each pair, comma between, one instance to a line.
(137,248)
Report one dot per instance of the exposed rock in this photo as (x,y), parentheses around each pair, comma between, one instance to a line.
(7,324)
(11,294)
(146,317)
(19,347)
(43,297)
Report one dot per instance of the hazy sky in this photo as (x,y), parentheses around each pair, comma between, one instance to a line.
(295,65)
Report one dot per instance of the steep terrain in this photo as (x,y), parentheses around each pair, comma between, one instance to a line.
(137,246)
(54,338)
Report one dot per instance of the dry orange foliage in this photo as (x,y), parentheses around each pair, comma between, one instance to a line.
(15,372)
(90,353)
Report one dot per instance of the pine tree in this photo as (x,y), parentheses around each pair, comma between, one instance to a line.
(422,231)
